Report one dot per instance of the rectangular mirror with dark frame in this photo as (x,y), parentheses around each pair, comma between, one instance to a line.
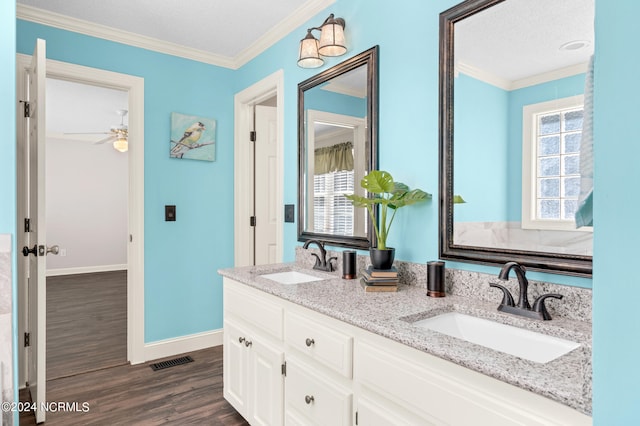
(337,146)
(512,107)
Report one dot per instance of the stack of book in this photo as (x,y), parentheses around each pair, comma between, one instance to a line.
(379,279)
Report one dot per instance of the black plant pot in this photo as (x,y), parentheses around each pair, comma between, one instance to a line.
(382,259)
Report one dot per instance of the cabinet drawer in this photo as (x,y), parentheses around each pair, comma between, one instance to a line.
(254,308)
(324,344)
(311,398)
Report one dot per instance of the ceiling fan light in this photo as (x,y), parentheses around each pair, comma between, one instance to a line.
(121,144)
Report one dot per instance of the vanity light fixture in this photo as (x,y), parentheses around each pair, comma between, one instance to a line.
(332,43)
(121,144)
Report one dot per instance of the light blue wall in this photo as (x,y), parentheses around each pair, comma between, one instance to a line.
(183,292)
(337,103)
(481,150)
(616,287)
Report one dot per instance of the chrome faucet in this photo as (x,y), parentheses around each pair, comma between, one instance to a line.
(322,263)
(522,308)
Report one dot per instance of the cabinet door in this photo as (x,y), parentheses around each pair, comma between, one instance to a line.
(315,398)
(235,367)
(266,383)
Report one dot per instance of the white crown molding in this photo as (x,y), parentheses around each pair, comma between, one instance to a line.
(301,15)
(286,26)
(67,23)
(550,76)
(482,75)
(509,85)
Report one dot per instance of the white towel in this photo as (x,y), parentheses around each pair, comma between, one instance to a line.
(584,214)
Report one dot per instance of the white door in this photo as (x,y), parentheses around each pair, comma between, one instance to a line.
(266,181)
(37,249)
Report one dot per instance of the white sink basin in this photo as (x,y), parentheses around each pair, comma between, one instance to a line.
(291,277)
(516,341)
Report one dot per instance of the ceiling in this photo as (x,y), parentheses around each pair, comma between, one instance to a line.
(227,33)
(516,40)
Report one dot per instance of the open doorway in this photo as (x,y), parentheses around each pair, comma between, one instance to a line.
(259,172)
(134,88)
(87,205)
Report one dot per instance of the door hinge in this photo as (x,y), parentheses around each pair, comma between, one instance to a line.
(26,340)
(252,136)
(27,224)
(252,221)
(284,369)
(27,109)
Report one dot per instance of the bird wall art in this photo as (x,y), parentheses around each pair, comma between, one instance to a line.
(192,137)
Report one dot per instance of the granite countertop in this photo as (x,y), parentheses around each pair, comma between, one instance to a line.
(566,379)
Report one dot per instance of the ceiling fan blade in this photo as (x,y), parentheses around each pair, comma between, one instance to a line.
(105,140)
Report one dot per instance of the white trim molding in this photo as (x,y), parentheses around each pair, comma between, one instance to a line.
(181,345)
(509,85)
(272,85)
(135,257)
(304,13)
(85,270)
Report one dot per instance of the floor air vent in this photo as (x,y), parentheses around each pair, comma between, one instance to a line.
(170,363)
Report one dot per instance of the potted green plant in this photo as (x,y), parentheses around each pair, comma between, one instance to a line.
(388,194)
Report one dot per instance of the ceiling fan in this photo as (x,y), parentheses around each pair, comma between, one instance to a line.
(119,134)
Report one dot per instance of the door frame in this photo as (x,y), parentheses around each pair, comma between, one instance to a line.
(135,251)
(268,87)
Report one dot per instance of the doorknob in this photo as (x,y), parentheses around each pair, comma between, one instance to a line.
(53,249)
(26,250)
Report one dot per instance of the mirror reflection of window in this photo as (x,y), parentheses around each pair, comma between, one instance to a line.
(551,143)
(332,180)
(335,165)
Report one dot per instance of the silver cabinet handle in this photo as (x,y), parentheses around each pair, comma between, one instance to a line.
(53,250)
(308,399)
(240,339)
(247,343)
(309,342)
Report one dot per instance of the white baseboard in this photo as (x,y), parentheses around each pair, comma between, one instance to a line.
(183,344)
(85,270)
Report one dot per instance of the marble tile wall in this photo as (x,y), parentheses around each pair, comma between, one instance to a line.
(6,327)
(575,305)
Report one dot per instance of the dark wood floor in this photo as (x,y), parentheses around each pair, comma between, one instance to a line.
(86,363)
(86,322)
(189,394)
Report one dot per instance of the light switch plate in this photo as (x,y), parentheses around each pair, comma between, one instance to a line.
(289,213)
(170,213)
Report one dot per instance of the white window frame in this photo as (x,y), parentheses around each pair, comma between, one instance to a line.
(529,162)
(358,125)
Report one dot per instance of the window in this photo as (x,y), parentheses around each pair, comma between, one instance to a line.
(333,213)
(552,132)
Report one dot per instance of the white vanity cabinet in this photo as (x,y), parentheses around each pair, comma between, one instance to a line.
(253,357)
(339,374)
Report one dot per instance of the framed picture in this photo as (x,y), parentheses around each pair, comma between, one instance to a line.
(192,137)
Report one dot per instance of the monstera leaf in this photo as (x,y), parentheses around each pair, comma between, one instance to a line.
(387,193)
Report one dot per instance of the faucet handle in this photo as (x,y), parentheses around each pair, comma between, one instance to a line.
(507,298)
(318,262)
(539,306)
(330,265)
